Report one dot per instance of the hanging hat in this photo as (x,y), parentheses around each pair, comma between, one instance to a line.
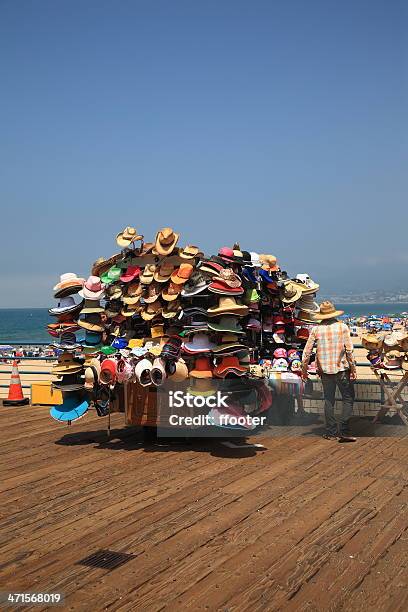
(163,272)
(189,252)
(197,283)
(72,408)
(66,305)
(166,240)
(112,275)
(227,323)
(182,274)
(127,237)
(391,341)
(202,368)
(93,322)
(153,293)
(92,289)
(113,292)
(228,277)
(171,292)
(172,347)
(147,275)
(69,284)
(224,289)
(181,372)
(280,365)
(226,254)
(290,293)
(92,306)
(200,343)
(254,324)
(150,311)
(228,305)
(171,310)
(229,344)
(269,262)
(107,374)
(309,317)
(67,342)
(210,267)
(129,310)
(229,365)
(143,372)
(130,274)
(308,285)
(327,311)
(66,365)
(307,303)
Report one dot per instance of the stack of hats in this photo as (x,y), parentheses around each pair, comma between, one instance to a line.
(389,351)
(69,369)
(156,312)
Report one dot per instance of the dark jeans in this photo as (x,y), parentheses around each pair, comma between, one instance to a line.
(346,388)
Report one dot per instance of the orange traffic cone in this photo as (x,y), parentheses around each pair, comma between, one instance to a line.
(15,395)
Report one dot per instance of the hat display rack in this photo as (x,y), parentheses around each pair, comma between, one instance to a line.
(158,312)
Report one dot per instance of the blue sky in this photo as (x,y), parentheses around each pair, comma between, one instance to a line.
(278,124)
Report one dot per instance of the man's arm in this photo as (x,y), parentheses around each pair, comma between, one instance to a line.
(349,347)
(307,351)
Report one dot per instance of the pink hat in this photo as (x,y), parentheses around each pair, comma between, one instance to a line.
(280,353)
(130,274)
(226,253)
(93,288)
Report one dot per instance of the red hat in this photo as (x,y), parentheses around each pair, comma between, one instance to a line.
(108,372)
(221,287)
(202,368)
(130,274)
(229,365)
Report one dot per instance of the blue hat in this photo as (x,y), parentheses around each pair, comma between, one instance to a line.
(119,343)
(71,409)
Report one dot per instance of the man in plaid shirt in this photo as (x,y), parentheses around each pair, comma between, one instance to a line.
(336,367)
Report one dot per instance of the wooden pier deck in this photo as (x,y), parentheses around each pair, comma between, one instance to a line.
(305,525)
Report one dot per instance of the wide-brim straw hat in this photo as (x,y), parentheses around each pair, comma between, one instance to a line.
(290,293)
(228,305)
(166,240)
(127,237)
(327,311)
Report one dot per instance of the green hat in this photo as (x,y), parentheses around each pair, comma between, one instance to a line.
(108,350)
(251,295)
(112,275)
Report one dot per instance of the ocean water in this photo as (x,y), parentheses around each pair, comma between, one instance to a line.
(359,310)
(24,325)
(29,324)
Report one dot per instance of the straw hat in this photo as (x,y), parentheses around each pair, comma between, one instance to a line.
(291,292)
(166,240)
(328,311)
(127,237)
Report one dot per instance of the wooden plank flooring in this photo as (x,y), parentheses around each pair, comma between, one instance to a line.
(306,524)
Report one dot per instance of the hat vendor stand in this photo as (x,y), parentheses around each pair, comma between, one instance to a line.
(159,315)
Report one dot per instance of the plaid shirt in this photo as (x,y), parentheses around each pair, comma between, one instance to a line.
(334,347)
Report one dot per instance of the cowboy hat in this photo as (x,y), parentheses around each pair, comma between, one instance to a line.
(290,293)
(127,237)
(166,240)
(189,252)
(327,311)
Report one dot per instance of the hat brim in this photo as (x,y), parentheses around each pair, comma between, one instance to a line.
(125,242)
(91,326)
(71,410)
(239,310)
(324,317)
(227,330)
